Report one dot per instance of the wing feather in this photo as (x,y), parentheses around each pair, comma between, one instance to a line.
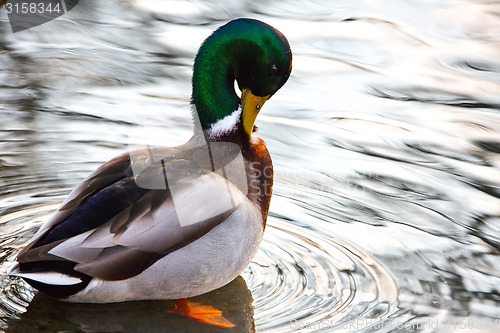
(148,223)
(117,263)
(110,172)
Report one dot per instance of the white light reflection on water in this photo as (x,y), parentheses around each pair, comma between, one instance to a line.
(385,140)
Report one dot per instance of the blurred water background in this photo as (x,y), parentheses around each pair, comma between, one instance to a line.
(386,144)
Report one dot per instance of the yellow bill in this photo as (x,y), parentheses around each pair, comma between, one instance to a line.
(251,105)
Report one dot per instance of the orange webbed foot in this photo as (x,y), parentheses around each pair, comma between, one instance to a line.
(203,313)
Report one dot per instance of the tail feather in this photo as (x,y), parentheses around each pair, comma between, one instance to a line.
(58,283)
(51,278)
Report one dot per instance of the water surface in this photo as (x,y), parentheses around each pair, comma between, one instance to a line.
(386,144)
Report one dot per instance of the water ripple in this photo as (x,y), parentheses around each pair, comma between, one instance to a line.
(300,276)
(385,213)
(313,277)
(20,217)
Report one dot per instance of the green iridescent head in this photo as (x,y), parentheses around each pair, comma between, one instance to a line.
(251,52)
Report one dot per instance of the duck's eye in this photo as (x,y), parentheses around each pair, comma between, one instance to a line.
(273,70)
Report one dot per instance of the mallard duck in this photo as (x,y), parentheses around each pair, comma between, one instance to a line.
(171,223)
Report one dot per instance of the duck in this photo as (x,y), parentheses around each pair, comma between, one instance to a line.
(177,222)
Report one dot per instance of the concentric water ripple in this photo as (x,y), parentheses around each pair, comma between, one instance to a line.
(20,217)
(385,213)
(311,278)
(302,276)
(299,277)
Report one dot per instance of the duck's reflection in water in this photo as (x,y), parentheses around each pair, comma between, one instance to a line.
(45,314)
